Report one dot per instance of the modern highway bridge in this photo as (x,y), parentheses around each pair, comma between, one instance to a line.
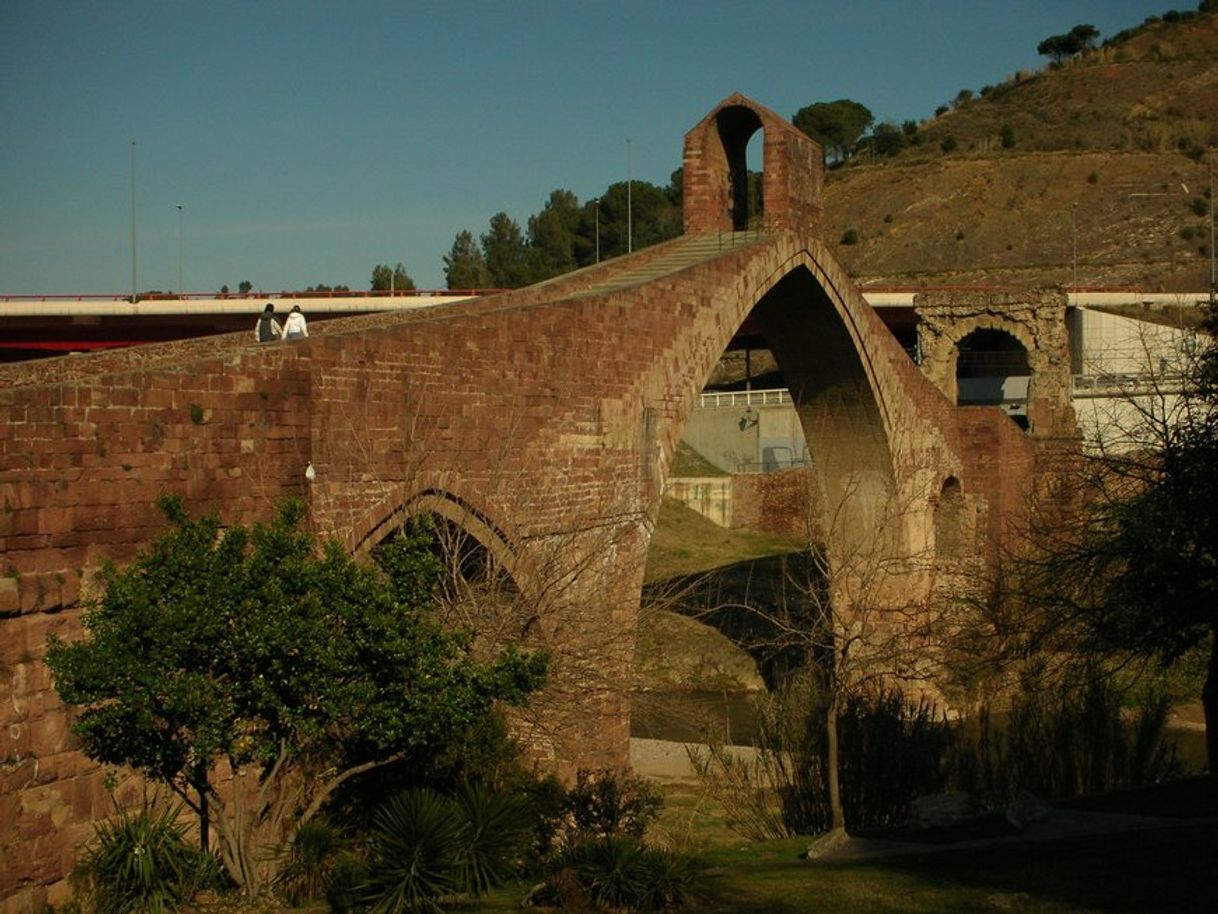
(36,326)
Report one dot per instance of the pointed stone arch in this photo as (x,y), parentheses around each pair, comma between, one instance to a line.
(830,348)
(473,521)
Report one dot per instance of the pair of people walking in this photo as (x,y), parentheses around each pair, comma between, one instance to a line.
(268,329)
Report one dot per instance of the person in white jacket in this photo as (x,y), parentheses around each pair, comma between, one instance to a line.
(295,327)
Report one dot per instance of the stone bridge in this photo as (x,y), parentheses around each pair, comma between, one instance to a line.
(542,422)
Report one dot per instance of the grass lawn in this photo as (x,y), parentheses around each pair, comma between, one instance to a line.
(685,542)
(1171,870)
(1165,870)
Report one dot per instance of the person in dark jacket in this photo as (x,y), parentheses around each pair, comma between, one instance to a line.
(267,328)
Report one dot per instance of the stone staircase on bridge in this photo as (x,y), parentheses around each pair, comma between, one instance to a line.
(688,251)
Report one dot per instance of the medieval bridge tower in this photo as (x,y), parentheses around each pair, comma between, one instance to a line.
(541,423)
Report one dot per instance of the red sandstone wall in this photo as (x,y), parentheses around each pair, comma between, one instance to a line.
(781,502)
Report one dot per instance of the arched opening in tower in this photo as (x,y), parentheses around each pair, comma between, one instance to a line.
(743,140)
(992,369)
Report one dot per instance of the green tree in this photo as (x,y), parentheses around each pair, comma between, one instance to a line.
(635,216)
(1059,47)
(385,278)
(294,668)
(464,265)
(553,233)
(835,125)
(506,255)
(886,139)
(245,286)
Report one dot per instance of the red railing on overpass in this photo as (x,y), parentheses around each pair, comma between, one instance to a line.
(210,296)
(69,345)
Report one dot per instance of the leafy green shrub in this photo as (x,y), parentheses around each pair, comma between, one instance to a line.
(606,804)
(347,885)
(141,864)
(603,861)
(621,873)
(948,144)
(545,802)
(890,752)
(1064,737)
(850,236)
(309,862)
(1008,136)
(426,846)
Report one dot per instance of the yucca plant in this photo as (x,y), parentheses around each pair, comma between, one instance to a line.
(495,829)
(141,863)
(416,847)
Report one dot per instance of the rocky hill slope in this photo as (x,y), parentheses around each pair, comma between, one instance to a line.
(1096,172)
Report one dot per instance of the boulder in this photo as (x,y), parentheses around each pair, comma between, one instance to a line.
(941,809)
(1026,809)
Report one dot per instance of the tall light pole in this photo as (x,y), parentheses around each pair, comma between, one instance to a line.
(629,206)
(181,288)
(1212,289)
(1074,235)
(1185,190)
(597,201)
(133,293)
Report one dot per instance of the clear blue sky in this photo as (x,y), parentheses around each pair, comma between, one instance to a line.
(307,141)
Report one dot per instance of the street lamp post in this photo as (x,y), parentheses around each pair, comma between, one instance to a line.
(597,201)
(181,288)
(133,292)
(1212,289)
(629,194)
(1184,189)
(1074,235)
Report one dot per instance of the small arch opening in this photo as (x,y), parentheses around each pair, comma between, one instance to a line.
(476,590)
(951,521)
(992,369)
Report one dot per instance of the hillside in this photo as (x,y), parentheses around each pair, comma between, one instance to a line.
(1107,165)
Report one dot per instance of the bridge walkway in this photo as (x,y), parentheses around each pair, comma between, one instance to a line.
(691,250)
